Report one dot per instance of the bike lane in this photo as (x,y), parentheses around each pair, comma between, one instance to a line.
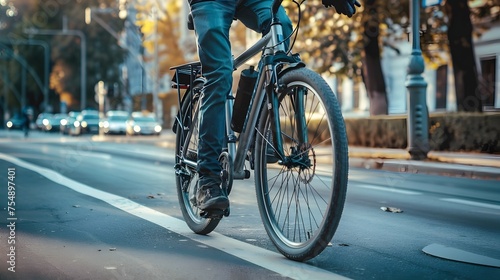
(66,229)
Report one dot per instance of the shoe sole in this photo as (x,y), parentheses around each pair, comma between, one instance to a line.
(219,203)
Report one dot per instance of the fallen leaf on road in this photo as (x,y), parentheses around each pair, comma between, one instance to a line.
(391,209)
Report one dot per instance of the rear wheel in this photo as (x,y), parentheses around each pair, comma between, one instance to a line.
(301,195)
(186,147)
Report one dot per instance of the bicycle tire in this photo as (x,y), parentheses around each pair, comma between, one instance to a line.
(186,185)
(301,236)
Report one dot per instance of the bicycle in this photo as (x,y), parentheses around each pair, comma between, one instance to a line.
(292,135)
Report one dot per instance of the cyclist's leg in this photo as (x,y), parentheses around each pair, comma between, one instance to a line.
(212,20)
(256,15)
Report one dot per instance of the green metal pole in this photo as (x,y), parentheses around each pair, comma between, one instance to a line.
(23,88)
(5,95)
(418,115)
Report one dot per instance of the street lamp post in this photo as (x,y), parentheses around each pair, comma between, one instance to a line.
(24,65)
(46,49)
(83,55)
(5,97)
(101,91)
(157,106)
(418,115)
(91,14)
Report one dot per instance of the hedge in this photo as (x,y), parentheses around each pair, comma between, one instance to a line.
(479,132)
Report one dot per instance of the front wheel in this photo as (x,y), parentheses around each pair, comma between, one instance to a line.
(301,194)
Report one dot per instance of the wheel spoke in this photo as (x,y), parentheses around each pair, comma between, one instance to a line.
(296,194)
(186,183)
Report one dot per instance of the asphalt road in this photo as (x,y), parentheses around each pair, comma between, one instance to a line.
(89,209)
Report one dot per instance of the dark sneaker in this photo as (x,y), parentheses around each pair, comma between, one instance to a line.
(191,155)
(210,197)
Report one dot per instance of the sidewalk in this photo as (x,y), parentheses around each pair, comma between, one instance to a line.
(459,164)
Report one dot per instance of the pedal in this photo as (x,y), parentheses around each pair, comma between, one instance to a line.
(213,214)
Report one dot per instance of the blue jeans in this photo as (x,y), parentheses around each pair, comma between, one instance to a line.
(212,20)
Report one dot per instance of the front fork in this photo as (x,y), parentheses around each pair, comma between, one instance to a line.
(274,91)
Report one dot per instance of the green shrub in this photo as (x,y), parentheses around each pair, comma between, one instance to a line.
(478,132)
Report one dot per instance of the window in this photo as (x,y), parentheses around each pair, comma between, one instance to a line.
(487,83)
(441,86)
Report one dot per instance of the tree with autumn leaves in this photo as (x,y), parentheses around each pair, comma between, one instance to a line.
(161,31)
(328,42)
(173,48)
(334,44)
(104,54)
(354,46)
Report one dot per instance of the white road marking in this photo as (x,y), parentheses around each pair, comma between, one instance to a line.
(385,189)
(143,152)
(471,203)
(253,254)
(459,255)
(95,154)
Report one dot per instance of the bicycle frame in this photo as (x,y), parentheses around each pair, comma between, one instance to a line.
(300,172)
(269,45)
(258,95)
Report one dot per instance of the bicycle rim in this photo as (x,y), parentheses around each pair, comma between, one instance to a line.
(301,204)
(186,147)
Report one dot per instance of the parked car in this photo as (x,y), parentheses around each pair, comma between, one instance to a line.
(16,122)
(143,124)
(86,122)
(73,126)
(53,122)
(40,118)
(115,122)
(68,122)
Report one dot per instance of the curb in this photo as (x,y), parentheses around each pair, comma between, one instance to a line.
(395,160)
(426,167)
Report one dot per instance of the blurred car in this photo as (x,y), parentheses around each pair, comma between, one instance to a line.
(40,118)
(68,122)
(86,122)
(143,124)
(53,123)
(16,122)
(115,122)
(73,126)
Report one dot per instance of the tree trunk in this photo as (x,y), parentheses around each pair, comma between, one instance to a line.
(373,76)
(462,56)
